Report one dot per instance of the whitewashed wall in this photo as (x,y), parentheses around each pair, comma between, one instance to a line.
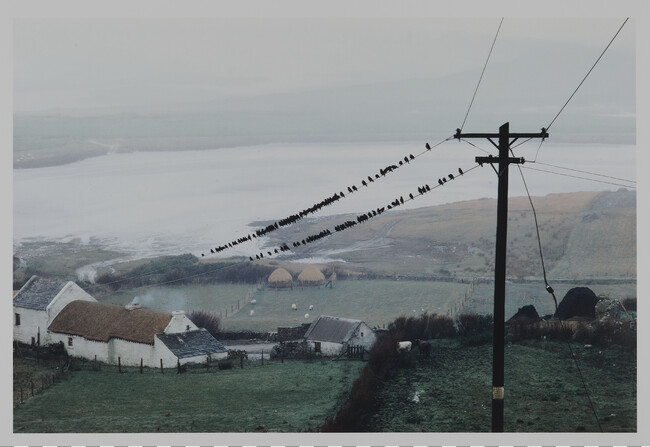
(70,292)
(31,322)
(367,340)
(328,348)
(179,323)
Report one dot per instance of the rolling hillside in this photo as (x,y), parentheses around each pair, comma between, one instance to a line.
(584,235)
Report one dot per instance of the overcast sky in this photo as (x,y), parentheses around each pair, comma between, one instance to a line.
(95,63)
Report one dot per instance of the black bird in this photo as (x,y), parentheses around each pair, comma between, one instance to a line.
(444,179)
(451,176)
(389,207)
(250,257)
(202,254)
(363,182)
(342,195)
(376,175)
(400,162)
(401,199)
(276,250)
(354,187)
(427,146)
(411,196)
(440,182)
(460,171)
(257,256)
(349,189)
(428,188)
(411,156)
(370,179)
(406,159)
(269,253)
(212,251)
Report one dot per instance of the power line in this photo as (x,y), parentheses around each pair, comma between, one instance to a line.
(577,176)
(482,72)
(550,290)
(325,202)
(584,172)
(590,70)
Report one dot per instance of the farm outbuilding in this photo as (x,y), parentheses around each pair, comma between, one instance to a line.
(332,335)
(280,278)
(132,335)
(36,305)
(311,276)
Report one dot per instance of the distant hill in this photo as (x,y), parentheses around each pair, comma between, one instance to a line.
(583,235)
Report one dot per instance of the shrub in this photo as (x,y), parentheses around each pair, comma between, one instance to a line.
(475,329)
(206,320)
(225,364)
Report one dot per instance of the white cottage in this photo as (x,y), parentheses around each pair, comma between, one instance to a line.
(132,335)
(36,305)
(332,335)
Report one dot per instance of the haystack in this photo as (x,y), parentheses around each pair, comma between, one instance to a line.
(280,278)
(311,276)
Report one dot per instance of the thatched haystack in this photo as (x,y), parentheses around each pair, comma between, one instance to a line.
(578,302)
(280,278)
(311,276)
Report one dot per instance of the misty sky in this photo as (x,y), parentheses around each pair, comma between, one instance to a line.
(147,63)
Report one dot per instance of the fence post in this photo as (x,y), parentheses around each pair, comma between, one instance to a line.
(262,357)
(162,371)
(140,365)
(179,366)
(119,364)
(32,383)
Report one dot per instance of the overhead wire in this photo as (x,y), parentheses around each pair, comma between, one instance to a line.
(325,202)
(550,290)
(579,177)
(583,172)
(482,73)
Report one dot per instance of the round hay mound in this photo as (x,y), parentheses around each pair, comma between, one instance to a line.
(311,276)
(280,278)
(578,302)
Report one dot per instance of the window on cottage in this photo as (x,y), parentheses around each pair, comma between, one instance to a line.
(316,346)
(362,334)
(69,341)
(17,319)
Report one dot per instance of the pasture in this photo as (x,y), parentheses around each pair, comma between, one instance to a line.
(292,396)
(452,392)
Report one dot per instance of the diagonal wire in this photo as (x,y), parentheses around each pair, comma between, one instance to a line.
(590,70)
(481,77)
(582,178)
(550,290)
(584,172)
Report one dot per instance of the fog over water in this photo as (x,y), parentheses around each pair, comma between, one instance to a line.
(155,203)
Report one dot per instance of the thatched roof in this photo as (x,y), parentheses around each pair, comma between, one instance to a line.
(280,278)
(311,276)
(101,322)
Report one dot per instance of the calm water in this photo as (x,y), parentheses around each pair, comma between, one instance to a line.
(152,203)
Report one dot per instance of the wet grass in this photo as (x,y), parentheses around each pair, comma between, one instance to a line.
(277,397)
(543,391)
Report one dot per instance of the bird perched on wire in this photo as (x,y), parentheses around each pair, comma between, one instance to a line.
(440,182)
(411,195)
(460,171)
(411,156)
(363,182)
(451,176)
(427,146)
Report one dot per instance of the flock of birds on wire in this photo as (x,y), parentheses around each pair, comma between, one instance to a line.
(328,201)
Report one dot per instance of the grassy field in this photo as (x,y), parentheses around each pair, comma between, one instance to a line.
(543,391)
(293,396)
(377,302)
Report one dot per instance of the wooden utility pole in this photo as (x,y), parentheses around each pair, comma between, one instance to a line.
(498,339)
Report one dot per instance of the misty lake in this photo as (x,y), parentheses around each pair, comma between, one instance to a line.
(154,203)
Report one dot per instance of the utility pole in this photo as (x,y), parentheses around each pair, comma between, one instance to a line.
(498,339)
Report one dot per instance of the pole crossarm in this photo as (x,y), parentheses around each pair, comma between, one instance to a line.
(543,134)
(493,159)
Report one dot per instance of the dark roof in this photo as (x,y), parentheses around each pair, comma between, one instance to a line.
(101,322)
(192,343)
(332,329)
(38,293)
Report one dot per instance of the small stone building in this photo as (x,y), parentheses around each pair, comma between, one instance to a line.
(36,305)
(332,335)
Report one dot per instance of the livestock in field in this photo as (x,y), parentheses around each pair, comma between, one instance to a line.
(294,307)
(311,307)
(424,347)
(403,346)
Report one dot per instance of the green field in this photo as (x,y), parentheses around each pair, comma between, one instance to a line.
(377,302)
(293,396)
(543,391)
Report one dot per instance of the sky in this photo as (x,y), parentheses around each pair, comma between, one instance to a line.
(93,59)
